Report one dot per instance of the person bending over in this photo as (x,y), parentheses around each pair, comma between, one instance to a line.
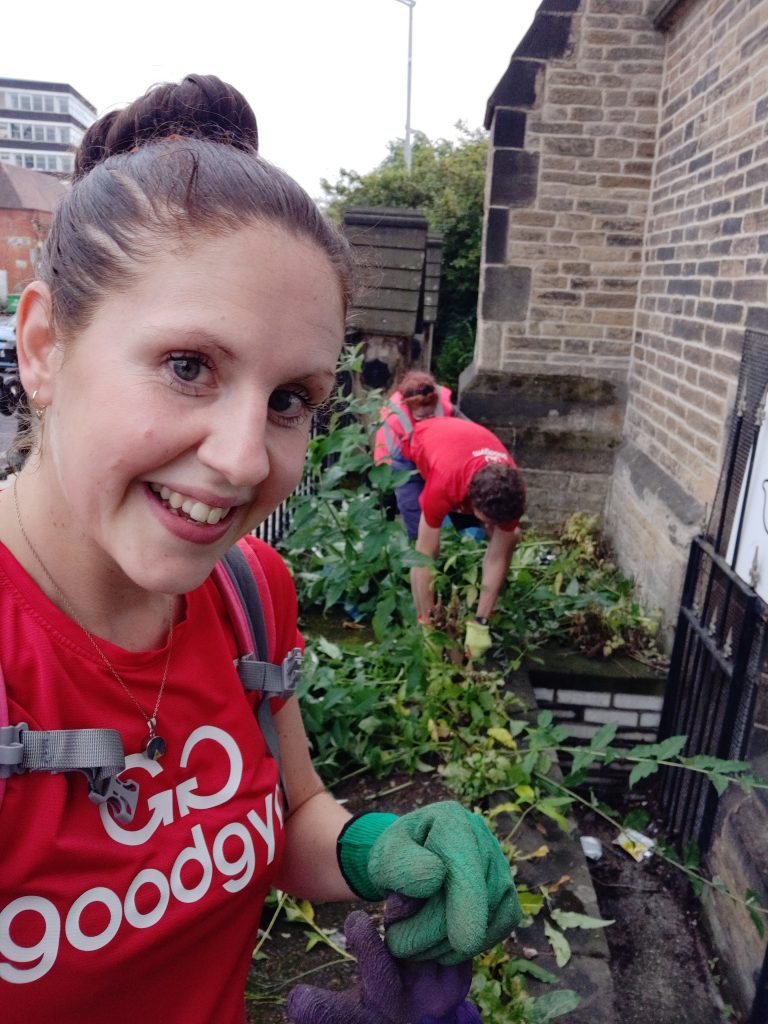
(470,476)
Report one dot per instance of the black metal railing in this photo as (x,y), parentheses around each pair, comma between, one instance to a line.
(714,673)
(276,525)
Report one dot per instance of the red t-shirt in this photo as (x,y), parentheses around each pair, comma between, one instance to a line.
(155,920)
(448,453)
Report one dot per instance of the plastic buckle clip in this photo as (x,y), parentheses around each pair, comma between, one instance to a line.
(11,749)
(121,795)
(291,667)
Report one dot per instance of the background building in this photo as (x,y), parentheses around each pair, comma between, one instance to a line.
(27,200)
(622,354)
(41,124)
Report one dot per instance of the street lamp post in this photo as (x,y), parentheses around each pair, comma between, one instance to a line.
(410,4)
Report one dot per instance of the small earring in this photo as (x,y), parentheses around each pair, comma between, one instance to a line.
(39,410)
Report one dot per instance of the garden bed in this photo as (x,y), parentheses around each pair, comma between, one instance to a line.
(659,967)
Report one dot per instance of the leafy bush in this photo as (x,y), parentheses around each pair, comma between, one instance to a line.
(342,546)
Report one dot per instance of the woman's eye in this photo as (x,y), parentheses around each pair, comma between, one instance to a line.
(288,404)
(186,368)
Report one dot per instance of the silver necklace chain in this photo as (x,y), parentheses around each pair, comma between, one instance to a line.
(151,720)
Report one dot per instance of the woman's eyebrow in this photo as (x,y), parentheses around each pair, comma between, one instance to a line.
(190,336)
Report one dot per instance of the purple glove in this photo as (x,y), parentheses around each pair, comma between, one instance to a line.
(467,1013)
(390,991)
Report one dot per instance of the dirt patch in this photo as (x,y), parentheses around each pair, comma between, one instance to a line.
(662,971)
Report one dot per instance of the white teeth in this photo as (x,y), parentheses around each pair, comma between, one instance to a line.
(197,510)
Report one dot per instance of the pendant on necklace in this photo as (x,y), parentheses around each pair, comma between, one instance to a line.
(155,746)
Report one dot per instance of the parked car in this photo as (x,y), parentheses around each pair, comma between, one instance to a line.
(8,345)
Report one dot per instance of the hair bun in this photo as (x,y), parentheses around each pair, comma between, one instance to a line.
(200,106)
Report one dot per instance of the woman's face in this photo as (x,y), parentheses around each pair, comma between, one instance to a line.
(179,417)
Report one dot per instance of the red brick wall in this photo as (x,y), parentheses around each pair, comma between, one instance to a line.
(21,234)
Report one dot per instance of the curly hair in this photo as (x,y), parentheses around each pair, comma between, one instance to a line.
(498,492)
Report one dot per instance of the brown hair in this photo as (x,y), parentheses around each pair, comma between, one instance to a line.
(413,387)
(498,491)
(180,161)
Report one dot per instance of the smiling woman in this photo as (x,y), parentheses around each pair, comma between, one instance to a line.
(186,321)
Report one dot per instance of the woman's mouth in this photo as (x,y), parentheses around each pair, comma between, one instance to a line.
(189,508)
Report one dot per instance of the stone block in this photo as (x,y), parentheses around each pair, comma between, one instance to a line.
(569,146)
(589,698)
(509,129)
(506,293)
(638,701)
(600,717)
(514,177)
(496,229)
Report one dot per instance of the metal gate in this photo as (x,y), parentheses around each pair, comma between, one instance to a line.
(720,641)
(712,686)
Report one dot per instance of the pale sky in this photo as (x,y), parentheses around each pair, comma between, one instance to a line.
(326,78)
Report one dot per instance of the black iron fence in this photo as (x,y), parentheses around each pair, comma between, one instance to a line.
(715,671)
(720,642)
(276,525)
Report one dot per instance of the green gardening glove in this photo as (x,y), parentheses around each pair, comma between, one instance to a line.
(449,858)
(477,639)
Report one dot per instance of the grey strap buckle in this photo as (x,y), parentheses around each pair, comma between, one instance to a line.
(121,795)
(291,668)
(270,679)
(11,749)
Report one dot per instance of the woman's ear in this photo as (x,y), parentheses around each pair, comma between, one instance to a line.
(36,348)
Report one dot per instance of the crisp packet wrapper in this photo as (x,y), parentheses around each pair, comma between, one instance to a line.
(638,846)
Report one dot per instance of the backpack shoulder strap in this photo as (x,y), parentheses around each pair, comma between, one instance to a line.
(97,753)
(235,576)
(4,722)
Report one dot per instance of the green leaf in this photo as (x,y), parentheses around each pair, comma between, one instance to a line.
(758,915)
(604,736)
(637,819)
(520,966)
(720,782)
(570,919)
(582,758)
(313,941)
(642,771)
(757,921)
(530,902)
(503,736)
(555,1004)
(369,725)
(664,751)
(550,808)
(329,649)
(560,945)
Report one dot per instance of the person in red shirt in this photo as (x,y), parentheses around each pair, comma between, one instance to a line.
(186,320)
(418,397)
(470,476)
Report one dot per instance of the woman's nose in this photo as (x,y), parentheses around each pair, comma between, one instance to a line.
(235,443)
